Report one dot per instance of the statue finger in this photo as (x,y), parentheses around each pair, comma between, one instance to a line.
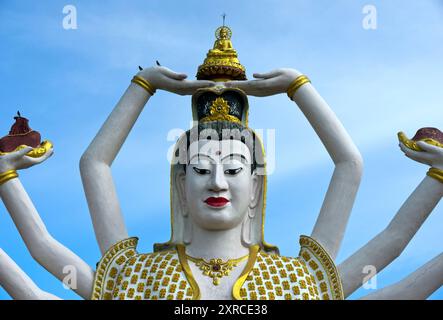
(407,151)
(20,153)
(418,156)
(267,75)
(256,88)
(173,75)
(413,156)
(197,84)
(235,84)
(429,147)
(244,85)
(403,147)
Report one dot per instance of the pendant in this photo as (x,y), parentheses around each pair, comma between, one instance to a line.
(216,268)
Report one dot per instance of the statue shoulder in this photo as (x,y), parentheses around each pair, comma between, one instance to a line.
(154,261)
(153,276)
(125,274)
(322,267)
(110,265)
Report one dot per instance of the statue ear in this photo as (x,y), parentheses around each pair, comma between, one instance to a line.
(255,190)
(180,180)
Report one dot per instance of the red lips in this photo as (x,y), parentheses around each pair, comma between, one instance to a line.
(216,201)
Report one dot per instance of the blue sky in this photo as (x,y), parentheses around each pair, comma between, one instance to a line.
(377,81)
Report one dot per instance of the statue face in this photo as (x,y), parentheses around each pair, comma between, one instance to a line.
(219,185)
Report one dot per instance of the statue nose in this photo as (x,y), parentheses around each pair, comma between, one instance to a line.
(218,181)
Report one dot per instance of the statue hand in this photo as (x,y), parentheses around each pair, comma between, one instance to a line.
(18,160)
(166,79)
(431,155)
(267,84)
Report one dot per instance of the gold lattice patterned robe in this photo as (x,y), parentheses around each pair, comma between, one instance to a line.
(122,273)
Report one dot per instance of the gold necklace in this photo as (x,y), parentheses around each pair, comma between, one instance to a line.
(216,268)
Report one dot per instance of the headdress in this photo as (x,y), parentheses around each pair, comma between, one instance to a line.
(221,65)
(214,106)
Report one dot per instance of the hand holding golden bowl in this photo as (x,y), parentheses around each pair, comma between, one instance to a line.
(425,147)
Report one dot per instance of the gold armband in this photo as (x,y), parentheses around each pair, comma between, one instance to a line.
(144,84)
(435,173)
(8,175)
(296,84)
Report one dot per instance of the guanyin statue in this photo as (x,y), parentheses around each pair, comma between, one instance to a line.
(217,248)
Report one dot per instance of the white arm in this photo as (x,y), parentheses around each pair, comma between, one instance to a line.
(17,283)
(47,251)
(334,214)
(95,164)
(419,285)
(388,244)
(95,167)
(337,205)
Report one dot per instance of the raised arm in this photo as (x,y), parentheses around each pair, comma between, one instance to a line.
(17,283)
(419,285)
(337,205)
(47,251)
(95,163)
(388,244)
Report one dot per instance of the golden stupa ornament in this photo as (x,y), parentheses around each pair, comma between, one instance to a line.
(221,63)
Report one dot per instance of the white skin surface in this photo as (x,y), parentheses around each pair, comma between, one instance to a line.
(339,199)
(433,155)
(95,163)
(417,286)
(97,180)
(17,283)
(334,214)
(218,169)
(332,221)
(218,175)
(47,251)
(385,247)
(18,160)
(329,229)
(216,232)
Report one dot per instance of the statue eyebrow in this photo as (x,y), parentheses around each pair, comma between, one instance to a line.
(198,155)
(234,154)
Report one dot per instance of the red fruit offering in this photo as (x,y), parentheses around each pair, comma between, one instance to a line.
(20,134)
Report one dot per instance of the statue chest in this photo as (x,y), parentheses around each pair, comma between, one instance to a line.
(149,277)
(168,275)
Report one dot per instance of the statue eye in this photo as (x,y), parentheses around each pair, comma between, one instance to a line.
(201,171)
(233,172)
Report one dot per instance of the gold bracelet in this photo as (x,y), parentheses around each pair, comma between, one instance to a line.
(436,173)
(144,84)
(8,175)
(296,84)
